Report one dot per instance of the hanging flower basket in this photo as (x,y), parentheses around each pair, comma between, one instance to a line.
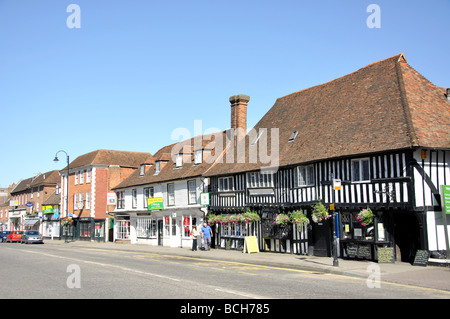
(67,222)
(320,212)
(365,217)
(282,220)
(250,217)
(298,218)
(247,217)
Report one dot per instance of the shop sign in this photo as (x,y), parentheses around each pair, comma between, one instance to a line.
(446,197)
(204,199)
(155,203)
(29,204)
(47,209)
(13,203)
(111,199)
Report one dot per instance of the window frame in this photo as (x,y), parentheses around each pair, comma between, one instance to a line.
(230,182)
(361,171)
(304,176)
(171,194)
(192,192)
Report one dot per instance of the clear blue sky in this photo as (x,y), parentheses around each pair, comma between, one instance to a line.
(137,70)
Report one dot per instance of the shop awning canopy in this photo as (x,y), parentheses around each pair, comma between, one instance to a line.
(29,222)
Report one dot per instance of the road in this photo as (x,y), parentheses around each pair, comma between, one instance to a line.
(59,272)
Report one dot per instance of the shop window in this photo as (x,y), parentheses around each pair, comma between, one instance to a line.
(146,227)
(123,229)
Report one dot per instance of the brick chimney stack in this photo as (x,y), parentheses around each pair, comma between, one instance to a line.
(239,113)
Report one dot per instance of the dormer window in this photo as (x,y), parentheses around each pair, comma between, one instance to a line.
(198,157)
(293,136)
(142,172)
(157,167)
(179,160)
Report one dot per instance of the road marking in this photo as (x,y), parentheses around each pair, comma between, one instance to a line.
(236,293)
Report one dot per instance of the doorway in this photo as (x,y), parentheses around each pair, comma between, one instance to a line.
(160,232)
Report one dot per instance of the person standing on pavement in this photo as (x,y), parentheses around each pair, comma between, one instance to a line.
(194,234)
(206,233)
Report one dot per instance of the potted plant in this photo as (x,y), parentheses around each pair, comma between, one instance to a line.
(319,212)
(282,220)
(365,217)
(298,218)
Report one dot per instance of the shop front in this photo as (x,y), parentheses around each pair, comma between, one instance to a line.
(51,225)
(170,228)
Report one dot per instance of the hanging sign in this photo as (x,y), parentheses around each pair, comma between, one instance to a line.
(47,209)
(111,199)
(155,203)
(446,197)
(337,184)
(204,199)
(29,204)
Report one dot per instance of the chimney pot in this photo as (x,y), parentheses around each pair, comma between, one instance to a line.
(239,113)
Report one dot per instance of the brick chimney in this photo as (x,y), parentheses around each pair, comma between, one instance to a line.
(239,113)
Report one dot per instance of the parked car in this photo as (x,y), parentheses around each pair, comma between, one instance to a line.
(3,235)
(15,236)
(31,236)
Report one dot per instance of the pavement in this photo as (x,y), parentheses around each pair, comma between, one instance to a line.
(434,276)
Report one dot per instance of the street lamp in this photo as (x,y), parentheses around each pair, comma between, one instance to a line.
(67,193)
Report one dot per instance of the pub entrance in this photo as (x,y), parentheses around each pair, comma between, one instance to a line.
(321,238)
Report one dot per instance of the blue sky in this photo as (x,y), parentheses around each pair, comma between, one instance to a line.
(137,70)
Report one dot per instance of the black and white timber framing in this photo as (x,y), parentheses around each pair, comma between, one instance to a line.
(406,182)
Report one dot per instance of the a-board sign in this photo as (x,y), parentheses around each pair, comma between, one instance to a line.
(364,251)
(421,258)
(386,255)
(250,245)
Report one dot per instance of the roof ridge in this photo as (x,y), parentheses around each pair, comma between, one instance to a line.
(405,104)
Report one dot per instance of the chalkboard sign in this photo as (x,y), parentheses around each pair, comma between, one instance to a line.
(386,255)
(352,250)
(364,251)
(421,258)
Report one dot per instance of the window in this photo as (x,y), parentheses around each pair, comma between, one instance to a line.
(88,175)
(123,229)
(259,180)
(134,198)
(82,177)
(80,198)
(360,170)
(225,183)
(75,201)
(148,193)
(170,194)
(120,200)
(142,172)
(293,136)
(198,157)
(157,167)
(192,192)
(88,200)
(146,227)
(304,176)
(76,178)
(179,160)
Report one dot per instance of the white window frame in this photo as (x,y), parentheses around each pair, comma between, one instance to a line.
(88,175)
(304,176)
(149,192)
(171,194)
(192,192)
(134,198)
(75,201)
(260,180)
(225,184)
(359,172)
(120,200)
(82,177)
(198,157)
(76,178)
(88,200)
(179,160)
(157,167)
(146,227)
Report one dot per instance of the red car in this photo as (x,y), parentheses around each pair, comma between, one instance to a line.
(14,236)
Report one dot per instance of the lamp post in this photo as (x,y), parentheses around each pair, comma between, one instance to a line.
(67,193)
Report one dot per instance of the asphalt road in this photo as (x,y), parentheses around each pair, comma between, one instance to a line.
(59,272)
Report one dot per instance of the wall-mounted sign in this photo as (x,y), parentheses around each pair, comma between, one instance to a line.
(29,204)
(155,203)
(13,203)
(47,209)
(446,198)
(111,199)
(204,199)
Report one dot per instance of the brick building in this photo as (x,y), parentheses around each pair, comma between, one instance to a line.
(91,178)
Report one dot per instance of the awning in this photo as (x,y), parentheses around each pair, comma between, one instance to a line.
(29,222)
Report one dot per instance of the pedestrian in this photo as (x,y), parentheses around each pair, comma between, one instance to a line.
(206,233)
(194,234)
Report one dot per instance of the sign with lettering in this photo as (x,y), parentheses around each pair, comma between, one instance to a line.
(155,203)
(47,209)
(421,258)
(446,198)
(250,245)
(385,255)
(204,199)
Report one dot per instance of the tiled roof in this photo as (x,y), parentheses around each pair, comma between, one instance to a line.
(48,178)
(110,157)
(170,172)
(384,106)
